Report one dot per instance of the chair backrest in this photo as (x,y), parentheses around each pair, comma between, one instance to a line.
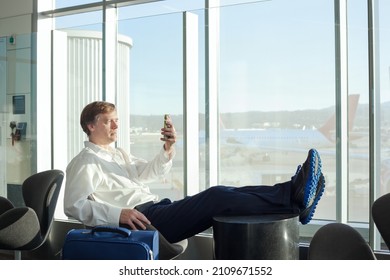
(40,192)
(381,217)
(339,241)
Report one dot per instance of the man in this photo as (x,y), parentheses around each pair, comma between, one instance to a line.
(104,185)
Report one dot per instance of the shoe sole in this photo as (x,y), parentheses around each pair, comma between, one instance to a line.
(314,176)
(307,214)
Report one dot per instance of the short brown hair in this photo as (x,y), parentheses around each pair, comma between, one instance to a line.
(91,112)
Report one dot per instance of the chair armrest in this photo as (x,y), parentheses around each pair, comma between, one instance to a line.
(5,205)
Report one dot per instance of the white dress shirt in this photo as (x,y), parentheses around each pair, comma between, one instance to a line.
(100,183)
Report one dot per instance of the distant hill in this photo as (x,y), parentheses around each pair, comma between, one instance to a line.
(259,119)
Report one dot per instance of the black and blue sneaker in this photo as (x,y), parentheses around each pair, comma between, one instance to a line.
(305,181)
(307,214)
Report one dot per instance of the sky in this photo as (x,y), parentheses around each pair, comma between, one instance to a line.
(276,56)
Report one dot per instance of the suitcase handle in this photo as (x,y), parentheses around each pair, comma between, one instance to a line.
(120,230)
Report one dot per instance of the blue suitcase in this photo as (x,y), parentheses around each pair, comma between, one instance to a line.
(111,243)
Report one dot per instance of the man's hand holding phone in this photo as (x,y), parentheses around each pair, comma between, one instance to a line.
(168,132)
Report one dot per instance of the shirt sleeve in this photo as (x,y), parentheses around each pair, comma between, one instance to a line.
(81,177)
(148,171)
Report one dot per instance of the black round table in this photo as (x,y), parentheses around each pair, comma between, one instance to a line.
(260,237)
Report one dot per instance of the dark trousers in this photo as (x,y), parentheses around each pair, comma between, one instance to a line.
(184,218)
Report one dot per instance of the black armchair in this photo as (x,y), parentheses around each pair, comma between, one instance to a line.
(26,228)
(337,241)
(381,217)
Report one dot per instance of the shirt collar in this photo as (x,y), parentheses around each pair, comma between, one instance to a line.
(97,149)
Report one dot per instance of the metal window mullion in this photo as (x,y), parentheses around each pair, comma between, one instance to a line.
(92,7)
(109,53)
(341,65)
(42,146)
(191,102)
(109,40)
(211,84)
(374,115)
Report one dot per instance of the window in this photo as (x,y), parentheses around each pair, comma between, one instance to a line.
(276,92)
(156,88)
(273,79)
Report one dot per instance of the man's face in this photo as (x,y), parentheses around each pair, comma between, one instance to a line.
(104,130)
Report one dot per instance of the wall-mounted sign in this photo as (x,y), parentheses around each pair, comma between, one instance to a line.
(19,104)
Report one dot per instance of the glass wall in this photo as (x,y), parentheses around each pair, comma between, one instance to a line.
(358,191)
(17,114)
(278,68)
(277,92)
(383,48)
(3,120)
(383,96)
(156,88)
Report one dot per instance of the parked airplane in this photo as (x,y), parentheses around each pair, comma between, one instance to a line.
(264,144)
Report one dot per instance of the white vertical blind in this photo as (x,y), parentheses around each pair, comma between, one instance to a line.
(85,83)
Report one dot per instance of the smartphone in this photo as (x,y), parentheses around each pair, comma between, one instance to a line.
(166,125)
